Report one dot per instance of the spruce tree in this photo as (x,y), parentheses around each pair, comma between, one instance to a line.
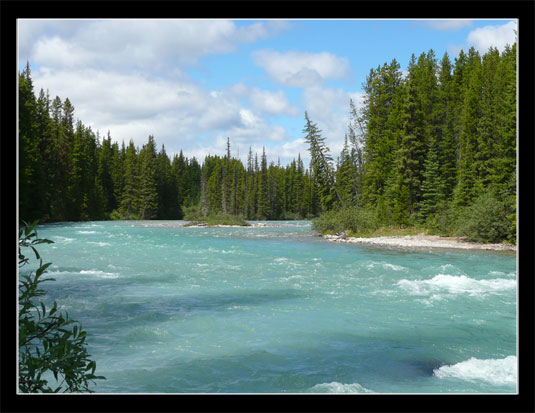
(148,196)
(321,164)
(412,151)
(129,206)
(446,132)
(264,207)
(466,189)
(29,156)
(104,174)
(433,184)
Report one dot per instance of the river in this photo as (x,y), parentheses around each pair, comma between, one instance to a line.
(277,309)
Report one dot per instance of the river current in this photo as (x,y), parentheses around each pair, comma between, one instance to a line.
(277,309)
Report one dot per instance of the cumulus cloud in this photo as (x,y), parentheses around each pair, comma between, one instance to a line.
(291,149)
(54,51)
(493,36)
(274,103)
(301,69)
(139,42)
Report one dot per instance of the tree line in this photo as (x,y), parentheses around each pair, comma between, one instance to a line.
(430,146)
(67,172)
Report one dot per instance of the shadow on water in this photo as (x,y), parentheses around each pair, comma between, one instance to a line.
(139,310)
(286,368)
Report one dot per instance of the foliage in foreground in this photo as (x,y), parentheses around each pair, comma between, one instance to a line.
(50,343)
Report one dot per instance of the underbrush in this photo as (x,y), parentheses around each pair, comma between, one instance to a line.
(486,220)
(346,220)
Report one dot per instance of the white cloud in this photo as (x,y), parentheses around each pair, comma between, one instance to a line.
(492,36)
(143,43)
(54,51)
(300,69)
(290,150)
(274,103)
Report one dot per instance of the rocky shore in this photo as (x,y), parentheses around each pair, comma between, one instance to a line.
(422,241)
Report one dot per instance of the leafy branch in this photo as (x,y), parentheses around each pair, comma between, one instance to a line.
(49,342)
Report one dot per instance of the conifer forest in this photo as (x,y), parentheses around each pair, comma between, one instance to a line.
(432,146)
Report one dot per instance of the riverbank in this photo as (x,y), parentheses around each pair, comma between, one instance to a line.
(422,241)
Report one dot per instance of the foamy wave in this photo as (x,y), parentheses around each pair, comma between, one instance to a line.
(456,285)
(58,273)
(63,239)
(501,274)
(101,244)
(386,265)
(99,273)
(86,232)
(336,387)
(493,371)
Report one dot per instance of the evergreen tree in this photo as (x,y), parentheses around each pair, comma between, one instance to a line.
(129,206)
(227,182)
(411,153)
(250,189)
(321,164)
(193,179)
(432,185)
(117,172)
(104,174)
(300,188)
(29,155)
(380,123)
(446,131)
(466,190)
(166,188)
(148,196)
(44,170)
(346,178)
(264,207)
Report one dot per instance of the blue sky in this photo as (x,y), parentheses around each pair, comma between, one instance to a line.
(193,83)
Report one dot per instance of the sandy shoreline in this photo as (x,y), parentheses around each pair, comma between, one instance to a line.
(422,241)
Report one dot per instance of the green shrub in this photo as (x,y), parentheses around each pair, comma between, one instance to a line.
(327,223)
(223,219)
(115,215)
(50,343)
(349,219)
(192,212)
(486,220)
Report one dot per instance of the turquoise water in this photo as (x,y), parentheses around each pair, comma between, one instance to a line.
(276,309)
